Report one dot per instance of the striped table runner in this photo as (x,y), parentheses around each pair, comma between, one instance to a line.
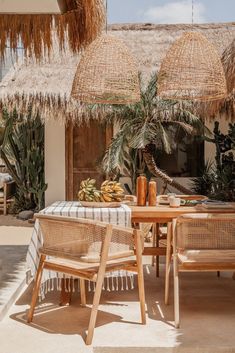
(118,216)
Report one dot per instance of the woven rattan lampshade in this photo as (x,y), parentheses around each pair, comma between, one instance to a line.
(107,73)
(192,69)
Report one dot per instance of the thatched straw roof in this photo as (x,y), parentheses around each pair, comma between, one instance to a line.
(48,85)
(79,25)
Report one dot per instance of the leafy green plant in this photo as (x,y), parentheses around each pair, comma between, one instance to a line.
(22,151)
(217,179)
(145,128)
(1,134)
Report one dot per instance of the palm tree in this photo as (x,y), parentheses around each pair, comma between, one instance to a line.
(146,127)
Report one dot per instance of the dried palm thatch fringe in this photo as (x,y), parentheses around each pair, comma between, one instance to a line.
(107,73)
(211,110)
(51,106)
(80,25)
(192,69)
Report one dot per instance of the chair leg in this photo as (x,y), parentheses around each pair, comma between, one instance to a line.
(140,278)
(36,288)
(99,284)
(66,292)
(94,309)
(168,262)
(176,293)
(141,294)
(5,208)
(83,292)
(5,199)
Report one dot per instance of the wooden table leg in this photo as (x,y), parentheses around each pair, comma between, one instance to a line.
(153,240)
(66,292)
(168,262)
(157,245)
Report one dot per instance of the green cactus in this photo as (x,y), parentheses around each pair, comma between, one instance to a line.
(22,150)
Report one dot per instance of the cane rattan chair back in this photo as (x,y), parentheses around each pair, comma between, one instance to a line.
(202,242)
(87,249)
(82,240)
(205,232)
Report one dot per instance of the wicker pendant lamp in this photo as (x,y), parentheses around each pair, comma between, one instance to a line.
(107,73)
(192,69)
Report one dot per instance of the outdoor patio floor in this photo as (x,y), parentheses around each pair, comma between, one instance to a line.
(207,320)
(14,242)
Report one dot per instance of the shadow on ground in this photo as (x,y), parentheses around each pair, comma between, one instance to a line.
(207,314)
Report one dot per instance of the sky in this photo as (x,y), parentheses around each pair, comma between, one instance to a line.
(170,11)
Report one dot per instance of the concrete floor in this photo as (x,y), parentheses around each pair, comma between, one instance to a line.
(12,220)
(207,320)
(13,248)
(207,313)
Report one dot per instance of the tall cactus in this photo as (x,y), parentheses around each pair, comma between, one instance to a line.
(22,150)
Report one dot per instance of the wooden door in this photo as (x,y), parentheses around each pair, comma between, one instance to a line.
(85,148)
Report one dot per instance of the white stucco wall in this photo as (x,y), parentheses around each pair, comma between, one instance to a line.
(54,161)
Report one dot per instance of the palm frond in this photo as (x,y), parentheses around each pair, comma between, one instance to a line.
(114,155)
(149,121)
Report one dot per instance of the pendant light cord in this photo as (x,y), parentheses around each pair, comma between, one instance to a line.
(192,13)
(106,9)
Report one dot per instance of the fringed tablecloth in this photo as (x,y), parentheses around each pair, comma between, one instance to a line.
(120,280)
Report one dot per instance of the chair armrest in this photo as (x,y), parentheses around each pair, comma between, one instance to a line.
(9,189)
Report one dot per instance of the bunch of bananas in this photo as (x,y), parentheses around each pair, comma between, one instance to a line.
(111,191)
(88,191)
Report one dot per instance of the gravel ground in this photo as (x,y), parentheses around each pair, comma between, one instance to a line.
(11,220)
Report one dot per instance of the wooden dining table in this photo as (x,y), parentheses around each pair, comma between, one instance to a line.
(165,213)
(159,214)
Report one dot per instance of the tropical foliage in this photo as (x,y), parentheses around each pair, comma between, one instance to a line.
(22,151)
(153,124)
(217,179)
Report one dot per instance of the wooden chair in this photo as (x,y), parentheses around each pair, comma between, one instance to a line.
(88,249)
(6,195)
(202,242)
(161,230)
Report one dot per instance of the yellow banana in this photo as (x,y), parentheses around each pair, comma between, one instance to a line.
(107,197)
(105,183)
